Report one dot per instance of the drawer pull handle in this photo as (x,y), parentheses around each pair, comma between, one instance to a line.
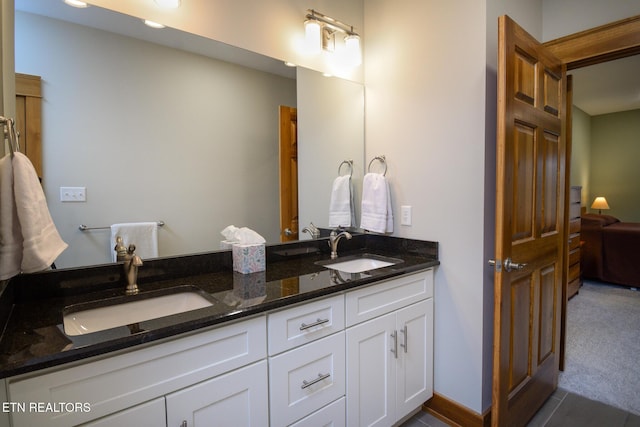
(311,325)
(321,377)
(405,338)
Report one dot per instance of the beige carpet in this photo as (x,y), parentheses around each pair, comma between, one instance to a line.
(603,345)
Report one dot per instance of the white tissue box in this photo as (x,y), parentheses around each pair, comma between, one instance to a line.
(249,258)
(226,244)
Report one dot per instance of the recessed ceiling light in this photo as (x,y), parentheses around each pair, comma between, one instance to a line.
(153,24)
(169,4)
(76,3)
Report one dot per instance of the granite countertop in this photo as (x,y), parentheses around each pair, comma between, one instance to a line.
(31,307)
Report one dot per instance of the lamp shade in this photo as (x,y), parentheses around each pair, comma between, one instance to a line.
(313,40)
(600,203)
(352,45)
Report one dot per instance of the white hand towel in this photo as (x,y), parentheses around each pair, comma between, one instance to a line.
(341,203)
(10,236)
(377,214)
(142,234)
(33,234)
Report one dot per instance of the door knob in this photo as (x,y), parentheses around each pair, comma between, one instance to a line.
(507,264)
(288,232)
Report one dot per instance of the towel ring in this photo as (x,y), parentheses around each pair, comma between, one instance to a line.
(382,159)
(10,134)
(348,163)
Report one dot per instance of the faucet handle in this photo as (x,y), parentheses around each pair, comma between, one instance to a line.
(120,248)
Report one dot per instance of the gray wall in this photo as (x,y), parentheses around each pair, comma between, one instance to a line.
(614,171)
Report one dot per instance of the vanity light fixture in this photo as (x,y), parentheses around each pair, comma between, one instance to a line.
(320,31)
(168,4)
(152,24)
(76,3)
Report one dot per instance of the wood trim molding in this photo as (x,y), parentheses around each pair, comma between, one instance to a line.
(455,414)
(28,85)
(607,42)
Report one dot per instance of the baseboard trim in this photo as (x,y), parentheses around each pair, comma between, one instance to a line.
(455,414)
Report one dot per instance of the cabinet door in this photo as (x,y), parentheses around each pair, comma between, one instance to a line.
(149,414)
(414,382)
(371,366)
(236,399)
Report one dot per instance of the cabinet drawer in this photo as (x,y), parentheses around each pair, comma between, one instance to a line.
(331,415)
(367,303)
(305,323)
(574,241)
(574,272)
(122,381)
(574,226)
(574,257)
(306,378)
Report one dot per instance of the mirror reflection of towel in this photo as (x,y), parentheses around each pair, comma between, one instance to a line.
(341,208)
(142,234)
(377,215)
(29,239)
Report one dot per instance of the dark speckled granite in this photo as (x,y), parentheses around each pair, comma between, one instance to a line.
(32,306)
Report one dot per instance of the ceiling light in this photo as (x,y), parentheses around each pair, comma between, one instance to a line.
(153,24)
(168,4)
(76,3)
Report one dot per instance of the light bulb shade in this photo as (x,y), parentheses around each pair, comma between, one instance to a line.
(600,203)
(352,47)
(312,36)
(168,4)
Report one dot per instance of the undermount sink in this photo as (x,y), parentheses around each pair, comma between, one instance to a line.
(359,263)
(90,317)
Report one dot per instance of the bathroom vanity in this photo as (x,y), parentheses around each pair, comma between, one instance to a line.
(298,343)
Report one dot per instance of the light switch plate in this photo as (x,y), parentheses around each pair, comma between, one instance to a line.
(73,194)
(405,215)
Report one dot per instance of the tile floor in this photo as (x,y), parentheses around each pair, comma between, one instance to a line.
(562,409)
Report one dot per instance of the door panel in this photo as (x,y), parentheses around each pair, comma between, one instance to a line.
(529,225)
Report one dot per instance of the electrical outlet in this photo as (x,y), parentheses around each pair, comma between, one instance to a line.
(405,215)
(73,194)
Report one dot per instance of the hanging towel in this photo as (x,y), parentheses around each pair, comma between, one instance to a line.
(30,240)
(341,209)
(376,213)
(142,234)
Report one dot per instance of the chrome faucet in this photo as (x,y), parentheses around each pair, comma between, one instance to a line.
(131,262)
(334,238)
(312,230)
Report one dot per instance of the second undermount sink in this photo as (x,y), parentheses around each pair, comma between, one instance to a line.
(359,263)
(92,317)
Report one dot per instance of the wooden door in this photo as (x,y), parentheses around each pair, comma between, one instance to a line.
(288,174)
(530,238)
(29,118)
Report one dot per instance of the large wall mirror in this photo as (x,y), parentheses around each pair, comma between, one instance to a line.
(165,125)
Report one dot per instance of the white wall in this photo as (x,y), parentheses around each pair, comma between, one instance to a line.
(271,27)
(425,103)
(164,143)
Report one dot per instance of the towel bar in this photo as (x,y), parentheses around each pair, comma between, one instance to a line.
(85,228)
(348,163)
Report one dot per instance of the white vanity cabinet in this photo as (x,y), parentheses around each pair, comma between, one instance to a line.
(307,363)
(114,386)
(389,343)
